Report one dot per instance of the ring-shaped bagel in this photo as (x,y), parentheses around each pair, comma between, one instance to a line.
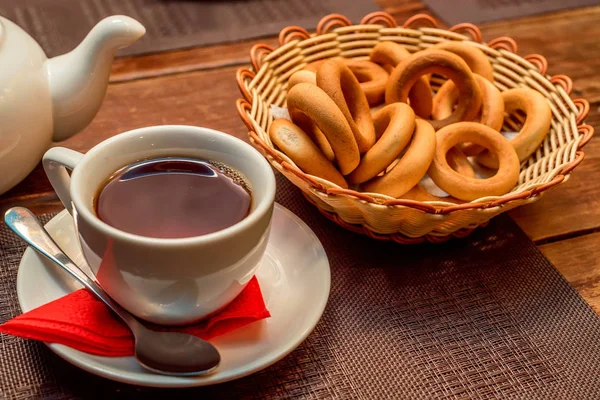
(302,76)
(491,112)
(412,166)
(305,123)
(458,161)
(299,147)
(371,77)
(534,130)
(389,55)
(394,126)
(313,131)
(440,62)
(467,188)
(313,102)
(475,58)
(336,79)
(492,104)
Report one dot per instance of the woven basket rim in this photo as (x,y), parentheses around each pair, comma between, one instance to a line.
(333,24)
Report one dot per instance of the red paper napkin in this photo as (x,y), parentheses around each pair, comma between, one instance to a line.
(81,321)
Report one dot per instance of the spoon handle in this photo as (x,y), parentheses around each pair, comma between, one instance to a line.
(25,224)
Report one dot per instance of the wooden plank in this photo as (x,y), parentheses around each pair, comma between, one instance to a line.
(569,207)
(578,260)
(402,10)
(174,62)
(205,98)
(568,40)
(40,203)
(222,55)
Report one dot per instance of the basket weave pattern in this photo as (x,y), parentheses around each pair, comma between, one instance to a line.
(384,217)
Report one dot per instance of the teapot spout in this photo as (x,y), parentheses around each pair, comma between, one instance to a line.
(78,80)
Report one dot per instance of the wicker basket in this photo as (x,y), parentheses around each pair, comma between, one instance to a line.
(384,217)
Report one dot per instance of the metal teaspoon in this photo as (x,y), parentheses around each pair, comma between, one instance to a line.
(167,353)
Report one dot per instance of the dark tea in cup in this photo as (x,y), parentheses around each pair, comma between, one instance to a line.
(173,198)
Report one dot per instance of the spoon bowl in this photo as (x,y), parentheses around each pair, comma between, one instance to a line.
(175,353)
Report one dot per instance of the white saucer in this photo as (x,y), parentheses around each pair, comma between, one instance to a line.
(295,281)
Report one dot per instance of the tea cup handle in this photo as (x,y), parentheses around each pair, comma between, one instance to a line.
(55,162)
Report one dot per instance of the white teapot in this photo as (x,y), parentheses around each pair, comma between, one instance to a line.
(44,100)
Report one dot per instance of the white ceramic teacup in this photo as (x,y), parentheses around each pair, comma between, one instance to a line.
(166,281)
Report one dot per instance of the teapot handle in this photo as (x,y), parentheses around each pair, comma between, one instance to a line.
(56,161)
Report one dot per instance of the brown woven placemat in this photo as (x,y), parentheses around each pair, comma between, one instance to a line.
(477,318)
(480,11)
(59,25)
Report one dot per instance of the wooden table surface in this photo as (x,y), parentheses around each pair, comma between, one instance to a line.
(197,87)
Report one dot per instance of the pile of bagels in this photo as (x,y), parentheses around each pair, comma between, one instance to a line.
(376,126)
